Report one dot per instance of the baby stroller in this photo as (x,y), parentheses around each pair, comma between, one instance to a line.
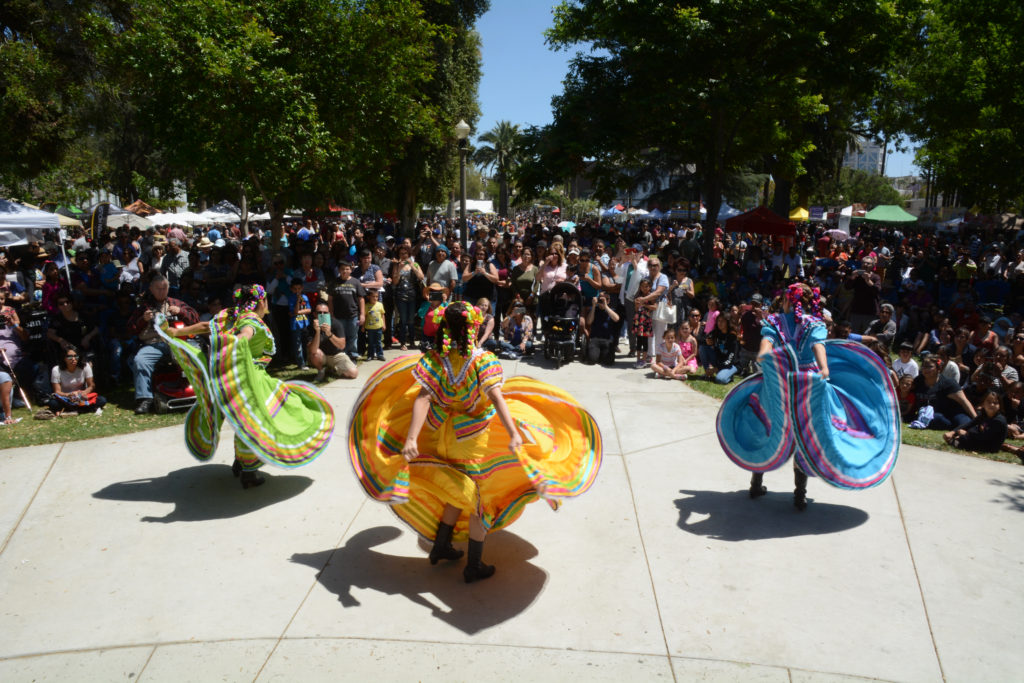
(562,323)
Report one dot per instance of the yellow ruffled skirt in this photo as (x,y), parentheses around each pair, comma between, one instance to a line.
(478,473)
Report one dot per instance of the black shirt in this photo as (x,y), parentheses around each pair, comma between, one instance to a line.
(938,395)
(327,344)
(343,298)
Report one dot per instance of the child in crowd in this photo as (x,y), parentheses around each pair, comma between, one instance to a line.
(667,362)
(905,364)
(986,432)
(643,325)
(907,398)
(298,311)
(374,326)
(688,347)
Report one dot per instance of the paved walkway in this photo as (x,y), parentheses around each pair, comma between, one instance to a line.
(124,559)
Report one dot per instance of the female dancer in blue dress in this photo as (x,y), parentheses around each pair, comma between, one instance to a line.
(829,403)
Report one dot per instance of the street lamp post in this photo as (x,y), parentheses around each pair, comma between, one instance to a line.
(462,135)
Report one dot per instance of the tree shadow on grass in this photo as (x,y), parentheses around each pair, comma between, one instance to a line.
(1014,496)
(205,492)
(439,589)
(733,516)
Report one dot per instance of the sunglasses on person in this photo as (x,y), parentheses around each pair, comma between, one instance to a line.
(72,356)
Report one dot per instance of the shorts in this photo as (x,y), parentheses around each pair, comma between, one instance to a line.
(339,364)
(5,377)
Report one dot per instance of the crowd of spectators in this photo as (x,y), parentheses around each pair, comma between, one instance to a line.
(943,312)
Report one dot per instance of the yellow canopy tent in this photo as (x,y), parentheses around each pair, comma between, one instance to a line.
(799,214)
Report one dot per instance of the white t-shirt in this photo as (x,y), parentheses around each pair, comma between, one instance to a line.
(905,369)
(669,356)
(71,381)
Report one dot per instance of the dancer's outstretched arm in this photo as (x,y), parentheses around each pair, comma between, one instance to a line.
(498,399)
(819,355)
(411,450)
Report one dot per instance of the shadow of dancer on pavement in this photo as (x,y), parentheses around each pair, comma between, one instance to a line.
(440,589)
(203,492)
(732,516)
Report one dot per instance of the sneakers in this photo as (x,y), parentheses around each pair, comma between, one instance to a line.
(99,411)
(320,375)
(143,406)
(639,365)
(380,357)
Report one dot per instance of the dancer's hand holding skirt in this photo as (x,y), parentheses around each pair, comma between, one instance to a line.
(465,459)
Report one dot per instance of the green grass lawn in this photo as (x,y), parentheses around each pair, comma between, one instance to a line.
(925,438)
(118,418)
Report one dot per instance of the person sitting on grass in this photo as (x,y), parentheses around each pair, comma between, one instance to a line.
(668,358)
(905,365)
(74,387)
(986,432)
(517,333)
(723,348)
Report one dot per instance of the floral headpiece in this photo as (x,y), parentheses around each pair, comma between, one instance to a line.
(795,294)
(256,293)
(474,318)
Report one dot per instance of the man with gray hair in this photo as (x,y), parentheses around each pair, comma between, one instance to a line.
(882,329)
(173,265)
(152,349)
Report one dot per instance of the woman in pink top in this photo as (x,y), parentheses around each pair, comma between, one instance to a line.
(553,271)
(550,274)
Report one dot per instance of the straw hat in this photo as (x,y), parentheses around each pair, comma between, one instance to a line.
(205,243)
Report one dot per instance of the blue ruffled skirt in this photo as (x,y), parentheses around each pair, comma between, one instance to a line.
(845,430)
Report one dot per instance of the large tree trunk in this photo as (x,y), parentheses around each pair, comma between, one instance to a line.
(243,204)
(276,210)
(712,186)
(503,196)
(782,204)
(407,210)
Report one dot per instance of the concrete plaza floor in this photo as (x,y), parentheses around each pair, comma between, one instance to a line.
(124,559)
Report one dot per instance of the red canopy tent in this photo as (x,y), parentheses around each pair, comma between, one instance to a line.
(761,221)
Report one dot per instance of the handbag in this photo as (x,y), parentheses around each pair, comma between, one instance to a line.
(665,312)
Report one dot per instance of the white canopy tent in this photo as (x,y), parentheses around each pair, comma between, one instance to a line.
(725,212)
(20,224)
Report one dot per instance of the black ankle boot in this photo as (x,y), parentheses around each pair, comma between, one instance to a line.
(236,468)
(251,479)
(757,488)
(475,569)
(800,492)
(443,549)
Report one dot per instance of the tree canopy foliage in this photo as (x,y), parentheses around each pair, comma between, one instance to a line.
(966,101)
(719,85)
(293,101)
(500,151)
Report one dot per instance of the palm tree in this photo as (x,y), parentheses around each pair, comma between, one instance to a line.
(499,149)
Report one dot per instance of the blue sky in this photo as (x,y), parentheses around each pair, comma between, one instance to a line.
(521,74)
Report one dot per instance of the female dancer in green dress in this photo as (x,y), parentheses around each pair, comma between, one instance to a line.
(281,423)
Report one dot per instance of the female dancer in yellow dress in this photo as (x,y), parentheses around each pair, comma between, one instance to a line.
(423,438)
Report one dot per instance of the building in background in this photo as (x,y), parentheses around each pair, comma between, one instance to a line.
(864,155)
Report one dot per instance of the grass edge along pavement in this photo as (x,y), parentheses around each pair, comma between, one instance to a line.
(922,438)
(119,418)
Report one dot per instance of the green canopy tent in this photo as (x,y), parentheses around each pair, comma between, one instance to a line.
(889,213)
